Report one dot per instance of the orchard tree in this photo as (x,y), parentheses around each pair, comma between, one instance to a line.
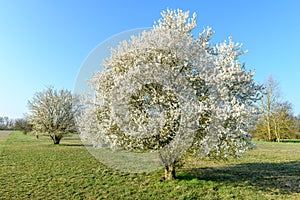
(53,112)
(169,92)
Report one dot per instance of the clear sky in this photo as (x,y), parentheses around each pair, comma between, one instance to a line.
(44,43)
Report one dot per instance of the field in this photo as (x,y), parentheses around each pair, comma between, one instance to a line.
(33,168)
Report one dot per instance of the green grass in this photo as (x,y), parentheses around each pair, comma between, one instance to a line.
(290,140)
(33,168)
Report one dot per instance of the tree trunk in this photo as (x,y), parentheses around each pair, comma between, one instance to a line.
(277,130)
(56,139)
(269,128)
(278,135)
(170,172)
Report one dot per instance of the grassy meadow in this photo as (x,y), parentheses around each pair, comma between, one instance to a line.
(33,168)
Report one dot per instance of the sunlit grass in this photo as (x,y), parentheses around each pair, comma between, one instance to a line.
(37,169)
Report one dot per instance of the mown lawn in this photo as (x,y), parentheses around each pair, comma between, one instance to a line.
(33,168)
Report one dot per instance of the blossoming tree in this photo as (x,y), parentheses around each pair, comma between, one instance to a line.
(170,92)
(53,112)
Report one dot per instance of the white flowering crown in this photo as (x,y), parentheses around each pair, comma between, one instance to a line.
(165,92)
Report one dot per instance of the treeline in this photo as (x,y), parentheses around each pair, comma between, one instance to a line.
(276,120)
(281,126)
(6,123)
(15,124)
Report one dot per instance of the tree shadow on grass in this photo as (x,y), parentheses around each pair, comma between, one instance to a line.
(75,145)
(71,138)
(283,177)
(72,145)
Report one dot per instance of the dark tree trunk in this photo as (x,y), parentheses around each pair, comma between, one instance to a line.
(56,139)
(170,172)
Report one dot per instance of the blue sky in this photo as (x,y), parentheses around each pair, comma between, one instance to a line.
(44,43)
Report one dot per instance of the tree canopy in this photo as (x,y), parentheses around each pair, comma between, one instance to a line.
(53,112)
(170,92)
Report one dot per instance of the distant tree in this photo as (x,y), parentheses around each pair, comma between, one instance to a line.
(297,127)
(53,112)
(2,123)
(23,125)
(283,121)
(6,123)
(276,119)
(269,102)
(166,91)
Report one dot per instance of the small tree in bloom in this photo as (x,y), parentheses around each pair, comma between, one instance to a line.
(53,113)
(169,92)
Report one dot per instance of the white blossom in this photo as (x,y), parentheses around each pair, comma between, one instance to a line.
(169,92)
